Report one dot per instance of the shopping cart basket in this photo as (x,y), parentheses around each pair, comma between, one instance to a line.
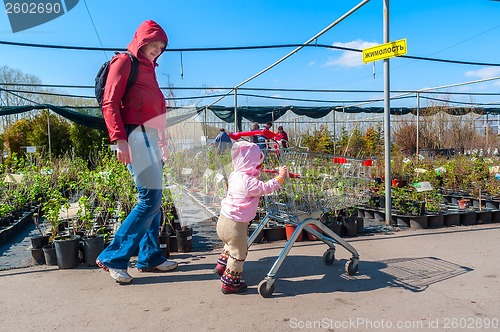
(319,183)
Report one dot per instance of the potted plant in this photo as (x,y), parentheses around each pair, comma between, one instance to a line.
(66,246)
(38,242)
(50,208)
(411,207)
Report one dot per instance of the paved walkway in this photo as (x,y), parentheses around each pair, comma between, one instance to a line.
(424,280)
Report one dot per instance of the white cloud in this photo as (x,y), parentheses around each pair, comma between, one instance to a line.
(350,58)
(483,73)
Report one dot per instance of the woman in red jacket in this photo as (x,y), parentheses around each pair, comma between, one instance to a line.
(281,137)
(136,122)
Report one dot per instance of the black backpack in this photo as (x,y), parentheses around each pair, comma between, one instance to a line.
(102,75)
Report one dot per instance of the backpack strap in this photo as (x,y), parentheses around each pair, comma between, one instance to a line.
(132,77)
(134,69)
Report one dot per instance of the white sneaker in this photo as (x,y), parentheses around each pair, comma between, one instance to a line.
(166,266)
(120,275)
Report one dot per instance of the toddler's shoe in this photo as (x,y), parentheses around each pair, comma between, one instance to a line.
(234,289)
(219,269)
(163,267)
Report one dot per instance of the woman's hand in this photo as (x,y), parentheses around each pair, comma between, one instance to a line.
(123,152)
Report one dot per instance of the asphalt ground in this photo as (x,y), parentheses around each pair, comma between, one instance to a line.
(421,280)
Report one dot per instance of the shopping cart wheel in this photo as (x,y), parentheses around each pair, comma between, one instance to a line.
(264,291)
(351,267)
(329,257)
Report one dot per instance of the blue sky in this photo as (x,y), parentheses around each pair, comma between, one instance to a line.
(466,30)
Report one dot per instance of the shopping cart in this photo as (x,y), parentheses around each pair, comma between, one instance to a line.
(319,183)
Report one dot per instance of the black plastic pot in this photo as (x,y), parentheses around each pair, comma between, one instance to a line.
(275,233)
(484,217)
(184,239)
(435,221)
(67,252)
(468,218)
(419,222)
(172,243)
(38,242)
(259,237)
(49,253)
(451,219)
(350,226)
(38,256)
(92,247)
(360,225)
(163,242)
(164,239)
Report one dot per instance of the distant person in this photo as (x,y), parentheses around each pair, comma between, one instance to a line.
(281,138)
(258,139)
(268,126)
(222,141)
(238,208)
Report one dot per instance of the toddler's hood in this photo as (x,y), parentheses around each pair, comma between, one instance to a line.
(246,157)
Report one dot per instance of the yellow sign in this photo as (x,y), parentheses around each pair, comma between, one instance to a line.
(384,51)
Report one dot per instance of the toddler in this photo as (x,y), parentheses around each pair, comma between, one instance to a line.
(238,208)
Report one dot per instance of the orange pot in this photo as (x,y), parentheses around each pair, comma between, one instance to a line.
(310,236)
(289,231)
(463,203)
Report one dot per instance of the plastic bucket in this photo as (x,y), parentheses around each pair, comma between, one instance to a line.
(184,239)
(310,236)
(92,247)
(49,252)
(289,229)
(67,252)
(38,242)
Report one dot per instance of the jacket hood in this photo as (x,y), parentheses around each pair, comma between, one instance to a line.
(246,157)
(149,31)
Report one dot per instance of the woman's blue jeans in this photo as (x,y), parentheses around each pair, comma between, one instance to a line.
(140,228)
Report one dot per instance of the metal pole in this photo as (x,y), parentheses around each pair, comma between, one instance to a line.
(205,129)
(295,132)
(334,133)
(387,123)
(236,128)
(48,132)
(487,137)
(418,122)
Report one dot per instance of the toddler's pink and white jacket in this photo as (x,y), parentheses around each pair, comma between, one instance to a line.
(244,187)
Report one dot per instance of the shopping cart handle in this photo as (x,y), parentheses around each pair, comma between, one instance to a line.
(273,171)
(264,132)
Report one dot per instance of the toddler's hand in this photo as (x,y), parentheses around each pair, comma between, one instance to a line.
(283,172)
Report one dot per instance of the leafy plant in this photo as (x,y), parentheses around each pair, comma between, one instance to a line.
(51,209)
(85,215)
(407,200)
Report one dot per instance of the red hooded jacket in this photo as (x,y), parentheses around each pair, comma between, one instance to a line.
(144,103)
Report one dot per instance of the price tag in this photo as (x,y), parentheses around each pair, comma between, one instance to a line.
(422,186)
(219,177)
(208,173)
